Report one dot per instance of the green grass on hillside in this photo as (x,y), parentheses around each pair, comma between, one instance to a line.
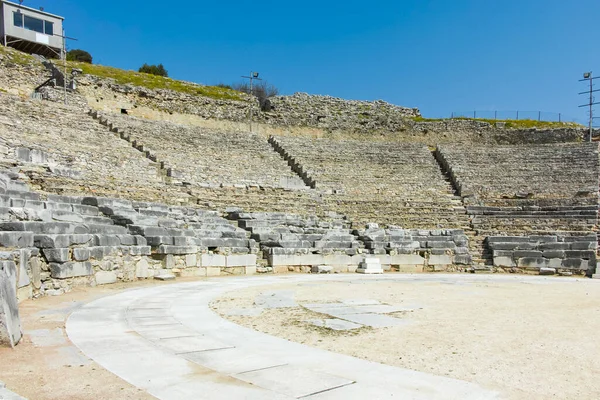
(156,82)
(16,56)
(508,123)
(132,78)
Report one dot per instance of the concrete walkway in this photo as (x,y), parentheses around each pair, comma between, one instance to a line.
(167,341)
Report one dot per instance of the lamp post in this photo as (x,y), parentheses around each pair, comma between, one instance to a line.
(587,76)
(253,76)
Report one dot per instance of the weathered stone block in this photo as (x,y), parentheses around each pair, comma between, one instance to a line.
(440,260)
(531,262)
(56,255)
(166,249)
(142,269)
(191,260)
(512,245)
(526,253)
(504,261)
(10,323)
(463,259)
(247,260)
(574,263)
(16,239)
(70,269)
(555,246)
(212,260)
(81,254)
(547,271)
(553,254)
(584,245)
(105,277)
(441,245)
(406,259)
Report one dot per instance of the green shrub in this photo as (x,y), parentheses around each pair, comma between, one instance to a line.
(158,70)
(79,55)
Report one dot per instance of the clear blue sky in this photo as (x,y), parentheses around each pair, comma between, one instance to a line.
(437,55)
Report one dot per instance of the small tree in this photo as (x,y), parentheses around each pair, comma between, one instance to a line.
(154,70)
(262,90)
(79,55)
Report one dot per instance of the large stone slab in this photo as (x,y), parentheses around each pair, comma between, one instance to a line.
(10,323)
(335,324)
(244,260)
(233,360)
(276,299)
(294,381)
(105,277)
(70,269)
(191,344)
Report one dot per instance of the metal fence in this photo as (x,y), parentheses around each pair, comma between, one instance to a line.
(516,115)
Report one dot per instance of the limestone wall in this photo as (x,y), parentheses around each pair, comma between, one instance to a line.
(547,255)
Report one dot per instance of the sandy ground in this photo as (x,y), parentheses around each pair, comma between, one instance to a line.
(527,340)
(46,365)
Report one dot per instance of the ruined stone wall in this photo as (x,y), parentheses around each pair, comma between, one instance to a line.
(300,114)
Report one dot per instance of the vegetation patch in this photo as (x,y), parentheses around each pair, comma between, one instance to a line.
(508,123)
(157,82)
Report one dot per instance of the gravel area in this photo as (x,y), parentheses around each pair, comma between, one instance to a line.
(527,337)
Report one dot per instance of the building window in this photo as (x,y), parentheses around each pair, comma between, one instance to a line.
(33,24)
(49,28)
(18,19)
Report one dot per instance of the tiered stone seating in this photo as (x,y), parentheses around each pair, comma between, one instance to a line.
(210,159)
(289,240)
(65,151)
(60,241)
(288,235)
(417,250)
(525,190)
(388,183)
(531,188)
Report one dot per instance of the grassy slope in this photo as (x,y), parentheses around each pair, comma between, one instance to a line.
(509,123)
(133,78)
(214,92)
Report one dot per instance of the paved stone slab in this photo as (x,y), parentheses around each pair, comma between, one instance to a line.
(148,312)
(305,382)
(165,331)
(341,309)
(276,299)
(151,321)
(191,344)
(335,324)
(233,360)
(374,320)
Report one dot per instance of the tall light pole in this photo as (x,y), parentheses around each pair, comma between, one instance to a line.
(252,77)
(587,76)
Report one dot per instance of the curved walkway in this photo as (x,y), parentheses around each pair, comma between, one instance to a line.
(167,341)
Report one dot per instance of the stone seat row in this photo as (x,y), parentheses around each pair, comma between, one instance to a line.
(60,143)
(224,157)
(538,171)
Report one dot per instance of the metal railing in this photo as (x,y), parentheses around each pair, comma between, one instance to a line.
(515,115)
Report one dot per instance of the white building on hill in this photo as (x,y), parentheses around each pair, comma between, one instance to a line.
(30,30)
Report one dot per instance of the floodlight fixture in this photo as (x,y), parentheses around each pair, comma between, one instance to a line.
(253,75)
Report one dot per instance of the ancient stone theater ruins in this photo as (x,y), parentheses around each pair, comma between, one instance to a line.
(261,233)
